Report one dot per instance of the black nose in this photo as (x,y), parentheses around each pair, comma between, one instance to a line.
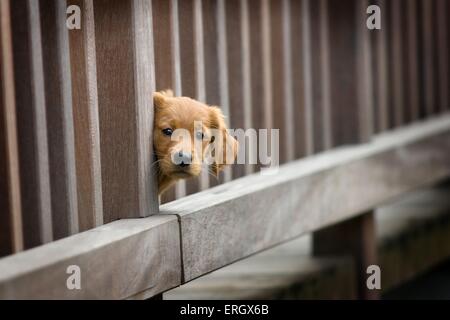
(183,159)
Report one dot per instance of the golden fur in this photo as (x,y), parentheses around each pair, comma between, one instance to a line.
(180,113)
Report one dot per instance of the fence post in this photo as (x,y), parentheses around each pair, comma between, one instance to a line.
(125,67)
(355,237)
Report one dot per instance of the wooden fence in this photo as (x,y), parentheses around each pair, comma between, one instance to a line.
(362,117)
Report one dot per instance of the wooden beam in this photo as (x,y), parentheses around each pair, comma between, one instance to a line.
(215,224)
(85,117)
(11,235)
(116,261)
(31,123)
(125,66)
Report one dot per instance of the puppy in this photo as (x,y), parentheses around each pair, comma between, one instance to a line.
(186,133)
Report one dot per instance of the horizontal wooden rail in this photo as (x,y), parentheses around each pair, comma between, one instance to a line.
(229,222)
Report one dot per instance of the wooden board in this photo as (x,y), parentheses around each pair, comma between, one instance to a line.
(31,123)
(215,223)
(125,65)
(116,261)
(11,236)
(59,112)
(85,117)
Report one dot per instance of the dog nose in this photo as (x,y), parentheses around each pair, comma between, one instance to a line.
(184,159)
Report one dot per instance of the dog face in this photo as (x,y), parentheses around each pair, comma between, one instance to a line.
(184,130)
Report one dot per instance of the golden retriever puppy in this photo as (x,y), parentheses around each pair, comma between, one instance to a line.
(189,136)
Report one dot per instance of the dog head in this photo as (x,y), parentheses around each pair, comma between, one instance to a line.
(190,136)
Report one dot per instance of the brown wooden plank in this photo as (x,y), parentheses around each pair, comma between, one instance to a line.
(364,73)
(382,85)
(413,59)
(233,13)
(279,98)
(442,16)
(164,43)
(343,72)
(11,236)
(307,75)
(85,118)
(215,224)
(298,81)
(427,64)
(124,259)
(211,62)
(253,14)
(124,42)
(31,123)
(58,102)
(321,81)
(188,64)
(355,237)
(396,62)
(226,174)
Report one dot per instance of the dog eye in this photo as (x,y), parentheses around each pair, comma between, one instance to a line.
(167,131)
(199,135)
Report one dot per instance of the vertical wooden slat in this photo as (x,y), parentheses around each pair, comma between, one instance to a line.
(320,67)
(235,73)
(345,112)
(165,56)
(125,66)
(364,73)
(85,117)
(267,67)
(442,17)
(246,79)
(413,63)
(279,98)
(256,66)
(396,59)
(58,100)
(11,236)
(297,82)
(31,123)
(188,60)
(223,71)
(211,64)
(428,54)
(307,75)
(200,70)
(382,81)
(288,106)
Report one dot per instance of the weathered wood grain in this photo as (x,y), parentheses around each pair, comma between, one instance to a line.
(31,123)
(11,235)
(116,261)
(125,66)
(85,117)
(59,112)
(215,223)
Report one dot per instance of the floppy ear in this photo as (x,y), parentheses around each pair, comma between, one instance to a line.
(226,145)
(159,97)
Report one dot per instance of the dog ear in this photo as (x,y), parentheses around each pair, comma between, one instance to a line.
(226,147)
(159,97)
